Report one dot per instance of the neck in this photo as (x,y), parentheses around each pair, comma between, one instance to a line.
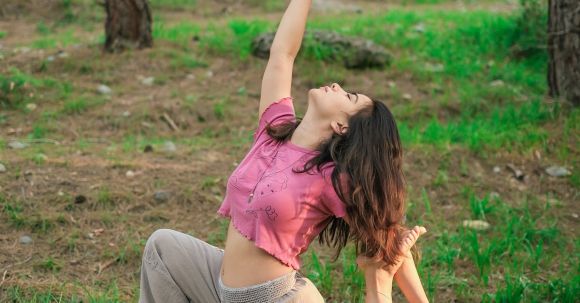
(310,133)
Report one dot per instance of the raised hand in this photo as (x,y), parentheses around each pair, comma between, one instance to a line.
(409,239)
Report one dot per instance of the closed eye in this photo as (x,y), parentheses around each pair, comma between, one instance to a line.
(348,96)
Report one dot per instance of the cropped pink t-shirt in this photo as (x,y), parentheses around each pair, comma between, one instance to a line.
(280,210)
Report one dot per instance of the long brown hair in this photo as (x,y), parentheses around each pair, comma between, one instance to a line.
(370,155)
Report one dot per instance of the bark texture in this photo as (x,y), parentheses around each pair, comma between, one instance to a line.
(564,49)
(128,25)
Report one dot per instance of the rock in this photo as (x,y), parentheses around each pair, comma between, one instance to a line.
(496,83)
(518,174)
(354,52)
(148,148)
(557,171)
(31,106)
(50,58)
(169,146)
(161,196)
(493,195)
(23,49)
(40,157)
(336,6)
(434,68)
(420,28)
(407,96)
(130,174)
(17,145)
(148,81)
(62,54)
(496,169)
(25,240)
(209,73)
(190,77)
(554,202)
(126,113)
(2,168)
(104,90)
(476,224)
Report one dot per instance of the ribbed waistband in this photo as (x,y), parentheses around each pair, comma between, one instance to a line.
(263,292)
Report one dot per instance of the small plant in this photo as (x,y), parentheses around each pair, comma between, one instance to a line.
(15,88)
(14,211)
(219,110)
(426,201)
(105,198)
(41,224)
(49,264)
(75,106)
(479,208)
(320,273)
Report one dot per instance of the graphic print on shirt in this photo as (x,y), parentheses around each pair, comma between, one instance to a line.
(270,156)
(269,210)
(268,186)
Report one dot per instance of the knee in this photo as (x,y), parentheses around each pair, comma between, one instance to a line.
(161,238)
(312,294)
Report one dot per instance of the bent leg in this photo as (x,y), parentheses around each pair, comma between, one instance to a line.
(304,291)
(179,268)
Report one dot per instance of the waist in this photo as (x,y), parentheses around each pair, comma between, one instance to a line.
(244,264)
(269,291)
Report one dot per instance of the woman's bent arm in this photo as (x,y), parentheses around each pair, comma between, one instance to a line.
(409,282)
(378,286)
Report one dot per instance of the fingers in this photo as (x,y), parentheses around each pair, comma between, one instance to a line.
(412,235)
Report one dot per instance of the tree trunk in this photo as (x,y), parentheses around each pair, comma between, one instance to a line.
(564,49)
(128,25)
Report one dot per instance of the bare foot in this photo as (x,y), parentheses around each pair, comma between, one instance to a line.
(410,237)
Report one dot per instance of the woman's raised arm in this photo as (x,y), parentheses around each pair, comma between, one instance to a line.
(277,79)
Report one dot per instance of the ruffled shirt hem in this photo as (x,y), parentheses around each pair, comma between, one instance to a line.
(269,251)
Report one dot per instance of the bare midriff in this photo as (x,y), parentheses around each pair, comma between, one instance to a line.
(244,264)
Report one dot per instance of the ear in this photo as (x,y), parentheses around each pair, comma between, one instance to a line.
(339,128)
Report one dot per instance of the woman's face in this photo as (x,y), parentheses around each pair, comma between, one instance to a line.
(336,105)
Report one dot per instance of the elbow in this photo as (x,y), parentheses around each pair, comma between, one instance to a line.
(282,55)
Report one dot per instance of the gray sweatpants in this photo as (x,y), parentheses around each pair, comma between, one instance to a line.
(180,268)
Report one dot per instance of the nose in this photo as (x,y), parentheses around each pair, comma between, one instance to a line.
(335,86)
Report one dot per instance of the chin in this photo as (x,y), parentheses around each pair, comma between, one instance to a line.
(312,94)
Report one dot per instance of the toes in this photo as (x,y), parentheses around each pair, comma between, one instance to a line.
(412,235)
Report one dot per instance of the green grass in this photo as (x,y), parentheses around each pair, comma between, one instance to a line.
(18,88)
(521,258)
(173,4)
(110,294)
(59,39)
(474,51)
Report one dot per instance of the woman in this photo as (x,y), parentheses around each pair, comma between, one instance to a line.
(335,174)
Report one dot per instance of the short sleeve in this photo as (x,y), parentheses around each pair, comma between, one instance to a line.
(224,209)
(278,111)
(331,202)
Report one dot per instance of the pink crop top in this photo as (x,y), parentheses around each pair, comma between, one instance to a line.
(280,210)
